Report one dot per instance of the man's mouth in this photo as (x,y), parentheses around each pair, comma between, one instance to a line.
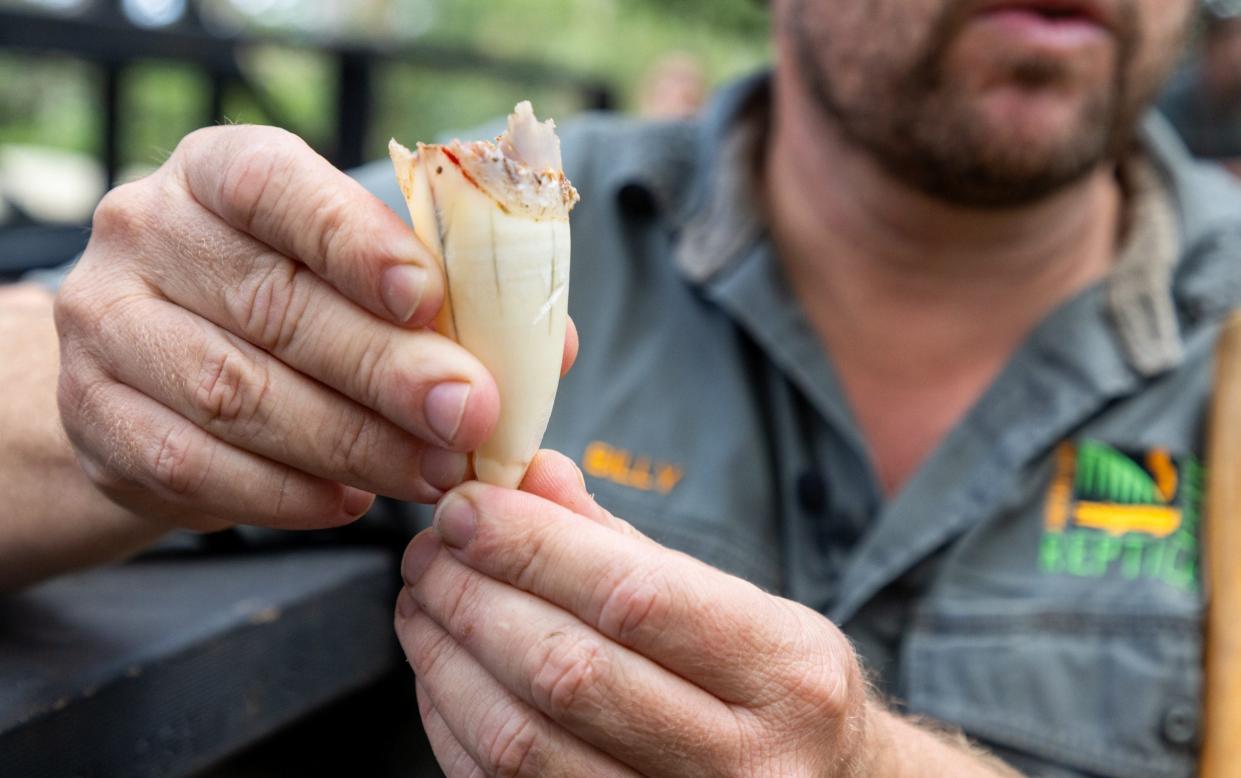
(1050,24)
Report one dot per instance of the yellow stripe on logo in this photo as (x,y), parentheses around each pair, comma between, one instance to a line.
(1118,519)
(1160,464)
(1061,493)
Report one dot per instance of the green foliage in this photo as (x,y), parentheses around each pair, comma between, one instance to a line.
(738,16)
(48,101)
(162,103)
(54,101)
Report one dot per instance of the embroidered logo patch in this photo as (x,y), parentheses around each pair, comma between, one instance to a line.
(620,466)
(1127,514)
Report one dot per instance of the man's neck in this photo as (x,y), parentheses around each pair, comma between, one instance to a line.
(919,301)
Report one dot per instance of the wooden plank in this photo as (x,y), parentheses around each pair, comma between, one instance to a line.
(1221,755)
(162,667)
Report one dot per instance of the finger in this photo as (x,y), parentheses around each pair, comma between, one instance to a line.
(555,477)
(702,624)
(571,345)
(453,759)
(244,397)
(146,457)
(270,184)
(421,381)
(605,694)
(501,734)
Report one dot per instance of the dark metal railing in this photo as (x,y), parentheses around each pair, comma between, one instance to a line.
(103,35)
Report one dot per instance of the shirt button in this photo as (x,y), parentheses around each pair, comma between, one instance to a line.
(812,493)
(1180,725)
(637,200)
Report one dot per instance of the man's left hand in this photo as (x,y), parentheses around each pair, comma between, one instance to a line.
(549,638)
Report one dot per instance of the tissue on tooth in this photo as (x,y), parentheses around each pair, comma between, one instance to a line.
(496,217)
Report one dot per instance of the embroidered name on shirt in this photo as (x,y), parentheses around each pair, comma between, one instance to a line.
(1119,513)
(636,472)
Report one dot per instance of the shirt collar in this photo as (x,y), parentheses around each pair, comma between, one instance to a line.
(720,217)
(677,167)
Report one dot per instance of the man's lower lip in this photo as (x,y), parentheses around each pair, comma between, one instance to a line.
(1028,27)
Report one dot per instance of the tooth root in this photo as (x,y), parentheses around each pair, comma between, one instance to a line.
(500,233)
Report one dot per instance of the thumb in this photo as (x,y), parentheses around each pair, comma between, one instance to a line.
(555,477)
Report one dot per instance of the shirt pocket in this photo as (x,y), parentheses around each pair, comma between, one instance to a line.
(1062,692)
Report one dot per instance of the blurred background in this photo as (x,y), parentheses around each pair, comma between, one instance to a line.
(94,92)
(1203,99)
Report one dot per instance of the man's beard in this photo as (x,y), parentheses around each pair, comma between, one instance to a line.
(922,129)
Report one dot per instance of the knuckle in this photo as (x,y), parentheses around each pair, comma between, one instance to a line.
(104,475)
(335,231)
(430,650)
(840,684)
(527,555)
(192,144)
(71,391)
(250,181)
(373,360)
(747,745)
(230,389)
(244,185)
(359,444)
(820,676)
(75,395)
(280,495)
(122,214)
(82,408)
(511,747)
(631,605)
(461,608)
(172,463)
(567,669)
(86,307)
(73,308)
(273,305)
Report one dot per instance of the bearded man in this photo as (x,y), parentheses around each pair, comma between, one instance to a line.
(904,346)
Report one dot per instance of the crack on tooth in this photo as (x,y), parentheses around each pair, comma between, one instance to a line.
(546,309)
(555,256)
(495,260)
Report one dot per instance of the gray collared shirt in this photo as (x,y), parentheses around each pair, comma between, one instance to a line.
(1036,583)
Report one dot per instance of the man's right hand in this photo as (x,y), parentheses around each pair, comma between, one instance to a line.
(244,341)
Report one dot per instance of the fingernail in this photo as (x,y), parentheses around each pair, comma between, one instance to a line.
(445,407)
(402,288)
(406,605)
(418,556)
(454,520)
(581,479)
(357,502)
(443,469)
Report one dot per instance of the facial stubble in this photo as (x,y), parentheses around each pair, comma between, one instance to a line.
(921,128)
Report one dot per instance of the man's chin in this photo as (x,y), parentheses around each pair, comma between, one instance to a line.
(1046,127)
(1005,153)
(1019,113)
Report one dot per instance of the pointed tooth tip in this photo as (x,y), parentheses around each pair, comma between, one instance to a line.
(398,152)
(525,111)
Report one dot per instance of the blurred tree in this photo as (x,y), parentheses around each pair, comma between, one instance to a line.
(52,101)
(739,16)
